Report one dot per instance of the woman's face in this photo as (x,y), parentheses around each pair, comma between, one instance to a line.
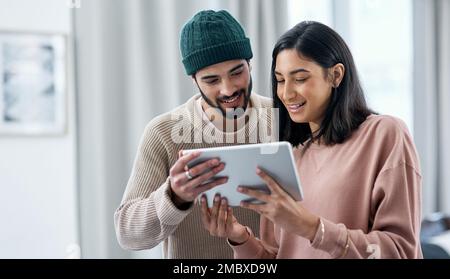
(302,87)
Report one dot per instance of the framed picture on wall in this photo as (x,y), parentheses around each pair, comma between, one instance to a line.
(33,84)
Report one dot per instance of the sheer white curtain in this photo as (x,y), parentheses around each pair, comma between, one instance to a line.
(128,71)
(432,100)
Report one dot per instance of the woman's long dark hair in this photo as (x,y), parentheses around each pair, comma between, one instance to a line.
(347,108)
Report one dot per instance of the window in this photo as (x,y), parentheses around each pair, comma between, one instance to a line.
(379,34)
(317,10)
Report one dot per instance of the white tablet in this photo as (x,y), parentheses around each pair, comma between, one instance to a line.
(240,167)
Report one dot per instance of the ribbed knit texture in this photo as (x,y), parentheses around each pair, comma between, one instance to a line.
(212,37)
(147,216)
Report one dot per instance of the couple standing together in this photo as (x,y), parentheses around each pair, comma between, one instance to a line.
(359,170)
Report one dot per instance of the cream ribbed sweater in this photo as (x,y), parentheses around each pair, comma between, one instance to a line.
(146,215)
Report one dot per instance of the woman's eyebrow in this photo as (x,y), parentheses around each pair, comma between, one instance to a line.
(299,70)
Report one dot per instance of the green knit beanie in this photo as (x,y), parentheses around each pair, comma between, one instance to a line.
(212,37)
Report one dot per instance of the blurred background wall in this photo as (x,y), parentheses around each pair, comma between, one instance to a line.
(38,174)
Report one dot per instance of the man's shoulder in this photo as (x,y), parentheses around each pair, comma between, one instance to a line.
(260,101)
(165,122)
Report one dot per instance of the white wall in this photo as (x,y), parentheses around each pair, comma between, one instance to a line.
(38,190)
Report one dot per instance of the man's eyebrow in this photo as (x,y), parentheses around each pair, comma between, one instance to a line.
(299,70)
(230,71)
(237,67)
(209,77)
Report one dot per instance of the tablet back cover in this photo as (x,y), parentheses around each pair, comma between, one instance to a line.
(276,159)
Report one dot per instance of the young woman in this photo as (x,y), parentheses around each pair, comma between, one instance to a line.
(359,171)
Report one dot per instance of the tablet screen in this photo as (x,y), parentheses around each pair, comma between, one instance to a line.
(276,159)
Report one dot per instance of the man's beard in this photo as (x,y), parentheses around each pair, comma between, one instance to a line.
(231,113)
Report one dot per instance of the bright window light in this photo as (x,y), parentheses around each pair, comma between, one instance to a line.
(379,34)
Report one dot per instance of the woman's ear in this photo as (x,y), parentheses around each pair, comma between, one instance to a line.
(338,72)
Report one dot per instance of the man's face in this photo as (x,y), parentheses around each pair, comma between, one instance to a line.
(226,86)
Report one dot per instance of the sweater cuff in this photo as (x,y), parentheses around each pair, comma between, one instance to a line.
(166,210)
(247,250)
(331,238)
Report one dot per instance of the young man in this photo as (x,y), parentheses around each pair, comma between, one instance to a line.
(159,203)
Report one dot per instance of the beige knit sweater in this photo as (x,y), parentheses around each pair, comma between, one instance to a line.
(147,216)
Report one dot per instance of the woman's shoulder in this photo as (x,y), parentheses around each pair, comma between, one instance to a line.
(382,134)
(389,137)
(384,126)
(377,131)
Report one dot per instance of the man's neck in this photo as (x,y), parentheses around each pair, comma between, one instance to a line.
(222,123)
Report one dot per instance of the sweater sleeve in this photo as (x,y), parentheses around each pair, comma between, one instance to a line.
(394,232)
(147,215)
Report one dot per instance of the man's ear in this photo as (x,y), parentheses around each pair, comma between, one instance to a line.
(249,65)
(194,80)
(337,72)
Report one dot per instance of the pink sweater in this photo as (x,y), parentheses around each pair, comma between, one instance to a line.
(367,192)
